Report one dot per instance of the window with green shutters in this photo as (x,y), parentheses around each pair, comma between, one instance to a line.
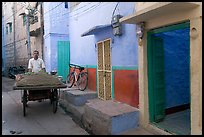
(24,20)
(10,26)
(6,29)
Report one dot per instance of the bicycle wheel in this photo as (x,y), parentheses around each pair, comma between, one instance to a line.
(70,80)
(83,81)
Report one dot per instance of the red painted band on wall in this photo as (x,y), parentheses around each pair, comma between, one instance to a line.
(126,87)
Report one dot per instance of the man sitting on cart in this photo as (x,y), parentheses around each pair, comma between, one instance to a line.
(36,65)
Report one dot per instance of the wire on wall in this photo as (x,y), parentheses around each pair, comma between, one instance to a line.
(115,9)
(12,14)
(54,8)
(86,10)
(81,12)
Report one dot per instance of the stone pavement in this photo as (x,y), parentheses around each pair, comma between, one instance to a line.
(40,119)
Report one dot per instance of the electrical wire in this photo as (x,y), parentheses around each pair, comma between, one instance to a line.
(71,7)
(118,9)
(79,8)
(53,8)
(12,14)
(62,19)
(81,13)
(24,7)
(84,11)
(77,14)
(92,8)
(115,9)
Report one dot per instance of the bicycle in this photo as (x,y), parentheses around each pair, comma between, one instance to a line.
(80,79)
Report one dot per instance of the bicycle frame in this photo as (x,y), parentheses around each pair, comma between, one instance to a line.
(78,79)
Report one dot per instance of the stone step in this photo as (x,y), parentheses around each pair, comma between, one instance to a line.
(109,117)
(77,97)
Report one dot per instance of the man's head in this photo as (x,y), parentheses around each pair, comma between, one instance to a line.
(35,54)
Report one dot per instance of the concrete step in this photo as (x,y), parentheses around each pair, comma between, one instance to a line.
(77,97)
(75,111)
(109,117)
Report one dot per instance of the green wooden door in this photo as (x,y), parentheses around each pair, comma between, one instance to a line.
(155,58)
(156,78)
(63,58)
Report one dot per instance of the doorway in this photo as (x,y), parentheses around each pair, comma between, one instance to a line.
(63,48)
(104,70)
(168,56)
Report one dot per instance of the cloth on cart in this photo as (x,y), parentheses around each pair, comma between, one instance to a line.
(31,79)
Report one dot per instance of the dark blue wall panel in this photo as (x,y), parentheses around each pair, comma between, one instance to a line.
(177,66)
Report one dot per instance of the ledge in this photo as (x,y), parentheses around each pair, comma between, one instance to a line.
(157,10)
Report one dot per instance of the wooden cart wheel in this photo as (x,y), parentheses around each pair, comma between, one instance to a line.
(55,100)
(24,102)
(51,96)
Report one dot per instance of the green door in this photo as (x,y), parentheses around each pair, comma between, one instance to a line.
(156,80)
(63,58)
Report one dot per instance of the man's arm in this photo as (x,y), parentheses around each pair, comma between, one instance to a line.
(43,66)
(29,66)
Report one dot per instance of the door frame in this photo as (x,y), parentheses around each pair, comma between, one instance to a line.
(161,29)
(102,41)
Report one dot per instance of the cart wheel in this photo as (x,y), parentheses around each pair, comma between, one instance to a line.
(51,97)
(50,101)
(24,102)
(55,100)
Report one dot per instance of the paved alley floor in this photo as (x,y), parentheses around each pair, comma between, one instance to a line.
(40,120)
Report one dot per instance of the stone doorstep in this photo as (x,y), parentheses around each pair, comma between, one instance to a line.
(97,118)
(76,111)
(111,117)
(77,97)
(110,107)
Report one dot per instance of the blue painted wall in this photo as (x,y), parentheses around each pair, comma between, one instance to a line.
(90,14)
(55,29)
(177,67)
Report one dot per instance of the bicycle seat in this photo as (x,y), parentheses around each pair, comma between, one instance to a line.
(81,68)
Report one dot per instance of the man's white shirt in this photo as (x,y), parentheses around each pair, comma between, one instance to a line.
(36,65)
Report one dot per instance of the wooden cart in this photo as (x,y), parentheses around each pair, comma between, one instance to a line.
(46,92)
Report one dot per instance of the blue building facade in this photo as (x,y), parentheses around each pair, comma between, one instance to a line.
(89,23)
(55,29)
(84,25)
(88,15)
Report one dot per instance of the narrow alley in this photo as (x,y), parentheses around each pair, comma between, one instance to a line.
(40,119)
(102,68)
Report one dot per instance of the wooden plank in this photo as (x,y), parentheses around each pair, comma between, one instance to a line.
(39,87)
